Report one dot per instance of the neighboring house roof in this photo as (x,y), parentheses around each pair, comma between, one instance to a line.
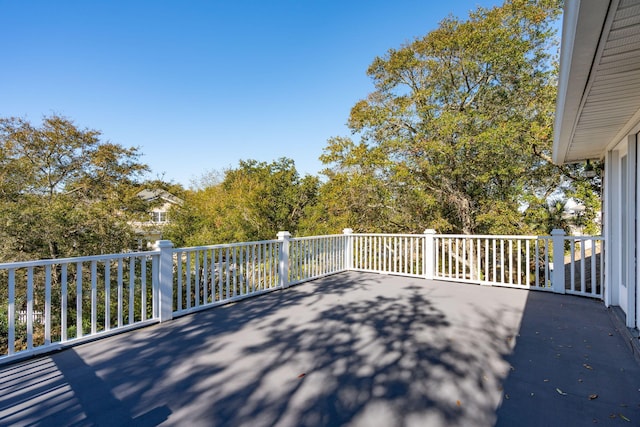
(149,195)
(599,83)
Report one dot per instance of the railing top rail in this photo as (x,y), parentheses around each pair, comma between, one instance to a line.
(293,239)
(55,261)
(223,245)
(385,235)
(489,236)
(497,236)
(584,238)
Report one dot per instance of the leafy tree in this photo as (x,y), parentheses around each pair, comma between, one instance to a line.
(586,191)
(458,131)
(64,192)
(543,214)
(251,202)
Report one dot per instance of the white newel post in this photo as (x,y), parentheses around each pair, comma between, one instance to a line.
(284,237)
(557,279)
(429,260)
(348,250)
(164,292)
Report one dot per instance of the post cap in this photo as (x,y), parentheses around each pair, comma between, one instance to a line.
(163,244)
(283,235)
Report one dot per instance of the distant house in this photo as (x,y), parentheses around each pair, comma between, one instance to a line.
(151,230)
(573,213)
(598,117)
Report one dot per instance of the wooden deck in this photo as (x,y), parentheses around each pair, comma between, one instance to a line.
(350,349)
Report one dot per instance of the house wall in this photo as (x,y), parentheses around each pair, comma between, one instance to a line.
(622,204)
(151,230)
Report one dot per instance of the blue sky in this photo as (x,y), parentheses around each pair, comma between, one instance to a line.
(199,85)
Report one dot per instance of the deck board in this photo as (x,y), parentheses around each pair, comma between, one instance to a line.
(350,349)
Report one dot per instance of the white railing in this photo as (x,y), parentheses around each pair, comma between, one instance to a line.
(52,303)
(525,262)
(512,261)
(584,266)
(314,257)
(401,254)
(36,316)
(558,263)
(212,275)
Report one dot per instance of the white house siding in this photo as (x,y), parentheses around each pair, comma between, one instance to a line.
(621,231)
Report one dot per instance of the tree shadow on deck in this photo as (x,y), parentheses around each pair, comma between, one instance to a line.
(358,349)
(350,349)
(115,381)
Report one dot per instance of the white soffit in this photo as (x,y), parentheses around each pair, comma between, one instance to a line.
(599,82)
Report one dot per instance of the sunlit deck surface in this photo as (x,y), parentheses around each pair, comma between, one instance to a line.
(350,349)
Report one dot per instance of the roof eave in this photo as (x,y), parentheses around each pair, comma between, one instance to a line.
(577,54)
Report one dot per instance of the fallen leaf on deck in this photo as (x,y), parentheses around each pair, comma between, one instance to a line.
(624,418)
(506,396)
(561,392)
(612,416)
(457,402)
(301,375)
(593,396)
(587,366)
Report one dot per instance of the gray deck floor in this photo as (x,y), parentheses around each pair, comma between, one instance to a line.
(350,349)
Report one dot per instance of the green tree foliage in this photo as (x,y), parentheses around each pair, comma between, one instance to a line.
(251,202)
(457,133)
(588,193)
(543,214)
(63,192)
